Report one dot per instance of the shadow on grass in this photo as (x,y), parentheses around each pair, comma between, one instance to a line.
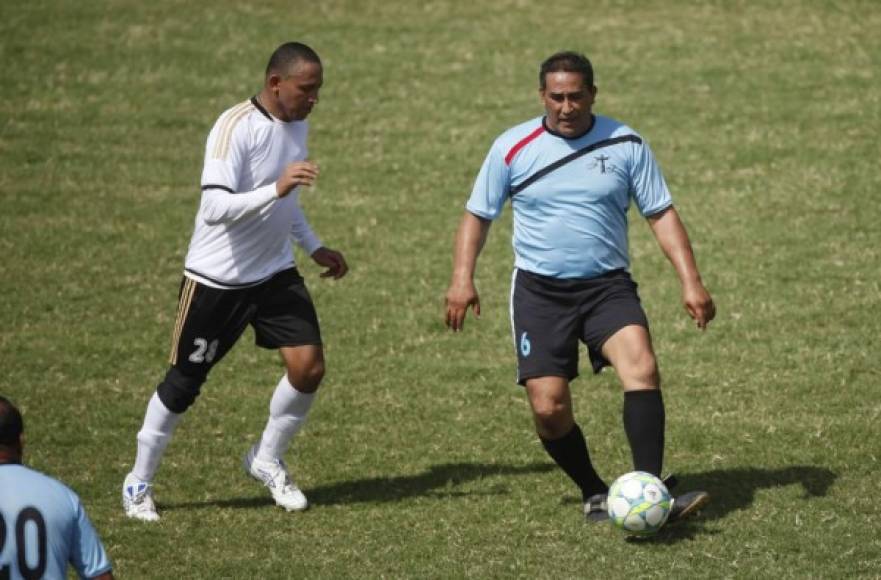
(735,489)
(439,481)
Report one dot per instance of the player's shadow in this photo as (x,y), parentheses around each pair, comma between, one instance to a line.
(735,489)
(441,481)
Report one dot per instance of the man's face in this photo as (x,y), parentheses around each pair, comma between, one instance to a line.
(568,102)
(298,93)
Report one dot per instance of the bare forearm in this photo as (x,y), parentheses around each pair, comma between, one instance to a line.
(470,239)
(462,294)
(673,239)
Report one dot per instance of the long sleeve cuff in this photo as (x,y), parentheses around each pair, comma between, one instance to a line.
(310,242)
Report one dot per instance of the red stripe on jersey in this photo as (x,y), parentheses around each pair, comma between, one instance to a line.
(522,143)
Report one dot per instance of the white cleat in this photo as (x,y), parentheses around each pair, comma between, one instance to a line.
(274,475)
(137,499)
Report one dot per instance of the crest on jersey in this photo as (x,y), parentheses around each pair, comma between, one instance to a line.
(600,162)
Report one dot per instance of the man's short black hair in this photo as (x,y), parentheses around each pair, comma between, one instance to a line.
(11,423)
(566,61)
(289,55)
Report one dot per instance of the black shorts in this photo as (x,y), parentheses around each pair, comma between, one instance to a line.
(211,320)
(550,315)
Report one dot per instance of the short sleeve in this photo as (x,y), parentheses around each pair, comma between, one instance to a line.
(648,187)
(87,556)
(491,186)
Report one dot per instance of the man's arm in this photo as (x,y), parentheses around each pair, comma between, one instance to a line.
(302,233)
(222,205)
(88,555)
(226,156)
(461,294)
(673,239)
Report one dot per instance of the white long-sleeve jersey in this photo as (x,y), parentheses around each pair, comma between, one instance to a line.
(243,230)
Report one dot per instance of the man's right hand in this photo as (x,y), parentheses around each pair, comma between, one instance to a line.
(294,174)
(461,295)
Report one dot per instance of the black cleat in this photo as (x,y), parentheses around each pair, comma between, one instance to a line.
(687,504)
(595,508)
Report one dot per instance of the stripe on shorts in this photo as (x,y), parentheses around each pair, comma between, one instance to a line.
(511,314)
(183,308)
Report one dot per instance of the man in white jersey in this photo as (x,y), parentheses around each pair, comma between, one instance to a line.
(240,270)
(43,526)
(570,176)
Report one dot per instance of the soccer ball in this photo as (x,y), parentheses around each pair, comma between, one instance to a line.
(639,503)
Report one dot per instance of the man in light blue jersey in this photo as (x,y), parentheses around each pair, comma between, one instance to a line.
(571,176)
(43,526)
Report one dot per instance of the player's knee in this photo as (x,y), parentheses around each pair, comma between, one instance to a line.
(308,377)
(179,391)
(552,419)
(641,371)
(648,372)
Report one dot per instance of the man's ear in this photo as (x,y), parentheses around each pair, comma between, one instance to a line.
(273,81)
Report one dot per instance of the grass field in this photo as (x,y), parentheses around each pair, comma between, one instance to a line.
(419,459)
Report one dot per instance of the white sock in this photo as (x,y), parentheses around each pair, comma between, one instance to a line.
(159,424)
(287,415)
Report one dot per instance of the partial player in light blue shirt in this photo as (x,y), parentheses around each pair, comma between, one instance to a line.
(43,526)
(570,222)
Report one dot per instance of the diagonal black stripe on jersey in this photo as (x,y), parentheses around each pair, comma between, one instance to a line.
(571,157)
(215,186)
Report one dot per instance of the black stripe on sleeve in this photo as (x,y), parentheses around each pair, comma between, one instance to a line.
(215,186)
(572,157)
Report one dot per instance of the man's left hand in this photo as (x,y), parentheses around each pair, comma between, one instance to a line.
(332,260)
(699,304)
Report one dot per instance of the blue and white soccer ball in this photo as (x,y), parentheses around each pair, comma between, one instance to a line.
(639,503)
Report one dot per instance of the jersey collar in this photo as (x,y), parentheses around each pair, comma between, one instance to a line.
(593,122)
(259,106)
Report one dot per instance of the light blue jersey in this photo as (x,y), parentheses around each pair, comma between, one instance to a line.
(571,222)
(43,528)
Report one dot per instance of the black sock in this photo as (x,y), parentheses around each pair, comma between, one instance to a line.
(644,425)
(570,453)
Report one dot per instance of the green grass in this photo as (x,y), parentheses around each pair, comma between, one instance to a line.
(419,458)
